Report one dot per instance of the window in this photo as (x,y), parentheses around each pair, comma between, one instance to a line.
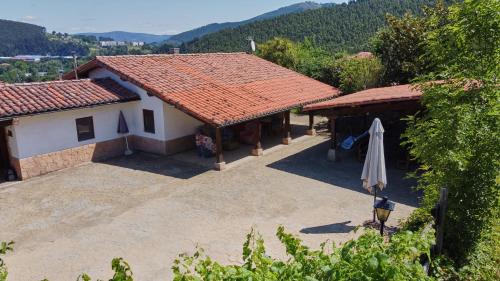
(85,128)
(149,120)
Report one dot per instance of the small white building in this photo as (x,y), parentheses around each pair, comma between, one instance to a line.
(108,43)
(164,98)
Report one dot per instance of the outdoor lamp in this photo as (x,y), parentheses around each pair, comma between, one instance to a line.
(383,209)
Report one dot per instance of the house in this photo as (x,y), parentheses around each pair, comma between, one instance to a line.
(164,98)
(108,43)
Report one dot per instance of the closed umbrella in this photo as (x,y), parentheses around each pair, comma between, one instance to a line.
(123,129)
(374,174)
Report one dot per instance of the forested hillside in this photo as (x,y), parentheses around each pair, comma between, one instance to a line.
(339,27)
(18,38)
(214,27)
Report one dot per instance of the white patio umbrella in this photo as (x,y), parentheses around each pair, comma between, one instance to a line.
(374,174)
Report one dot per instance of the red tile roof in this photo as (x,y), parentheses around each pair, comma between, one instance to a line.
(220,88)
(31,98)
(370,96)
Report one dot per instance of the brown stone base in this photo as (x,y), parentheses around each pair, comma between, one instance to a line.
(162,147)
(286,141)
(46,163)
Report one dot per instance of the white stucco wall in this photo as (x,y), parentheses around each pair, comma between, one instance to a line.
(178,123)
(146,102)
(44,133)
(170,123)
(49,132)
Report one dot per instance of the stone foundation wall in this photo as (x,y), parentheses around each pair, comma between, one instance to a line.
(162,147)
(180,144)
(147,144)
(49,162)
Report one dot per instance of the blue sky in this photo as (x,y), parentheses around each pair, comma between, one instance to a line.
(151,16)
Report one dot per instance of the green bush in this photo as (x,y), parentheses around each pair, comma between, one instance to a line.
(417,220)
(120,267)
(369,257)
(303,57)
(349,73)
(352,74)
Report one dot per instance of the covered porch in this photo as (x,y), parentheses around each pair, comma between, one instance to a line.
(266,139)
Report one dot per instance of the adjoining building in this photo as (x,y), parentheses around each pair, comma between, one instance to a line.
(165,99)
(351,115)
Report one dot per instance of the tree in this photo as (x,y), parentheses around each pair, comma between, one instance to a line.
(313,61)
(457,135)
(281,51)
(354,74)
(338,27)
(400,47)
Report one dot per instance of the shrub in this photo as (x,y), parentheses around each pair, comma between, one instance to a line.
(417,220)
(303,57)
(120,267)
(369,257)
(352,74)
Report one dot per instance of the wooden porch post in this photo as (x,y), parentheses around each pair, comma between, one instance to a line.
(311,131)
(287,135)
(333,139)
(257,149)
(219,158)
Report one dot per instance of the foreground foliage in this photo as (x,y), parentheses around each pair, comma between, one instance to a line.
(119,266)
(457,137)
(367,258)
(4,248)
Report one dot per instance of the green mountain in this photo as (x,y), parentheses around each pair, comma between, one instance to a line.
(214,27)
(129,36)
(19,38)
(338,27)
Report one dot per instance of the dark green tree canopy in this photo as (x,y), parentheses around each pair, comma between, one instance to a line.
(340,27)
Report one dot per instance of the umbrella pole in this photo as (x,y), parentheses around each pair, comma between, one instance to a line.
(374,201)
(128,151)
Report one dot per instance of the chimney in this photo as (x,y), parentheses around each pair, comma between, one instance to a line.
(174,51)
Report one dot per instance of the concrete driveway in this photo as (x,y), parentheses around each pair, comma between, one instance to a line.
(148,209)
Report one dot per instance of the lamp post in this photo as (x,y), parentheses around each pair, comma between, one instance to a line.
(383,208)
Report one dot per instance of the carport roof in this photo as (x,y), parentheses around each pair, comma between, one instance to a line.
(219,88)
(372,96)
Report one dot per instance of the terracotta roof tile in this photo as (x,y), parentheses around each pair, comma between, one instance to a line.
(370,96)
(31,98)
(220,88)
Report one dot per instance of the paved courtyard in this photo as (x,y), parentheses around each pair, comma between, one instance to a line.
(148,209)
